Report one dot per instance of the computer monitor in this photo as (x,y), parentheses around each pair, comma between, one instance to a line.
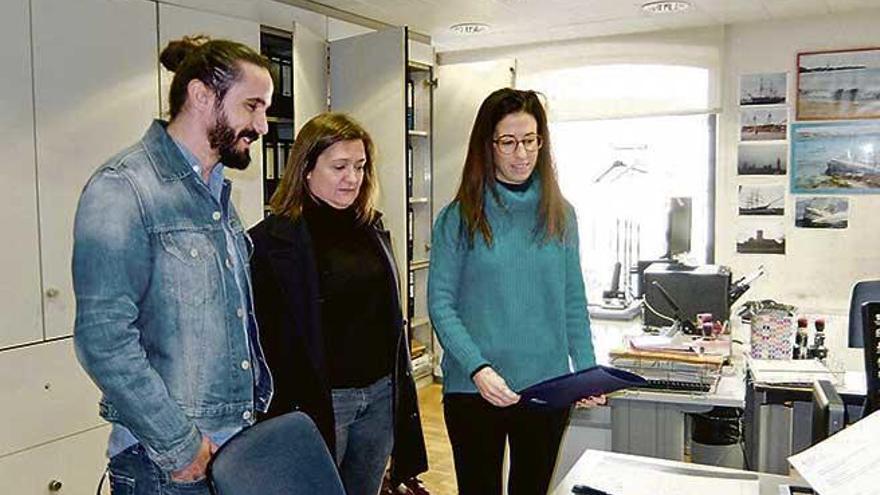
(678,230)
(829,411)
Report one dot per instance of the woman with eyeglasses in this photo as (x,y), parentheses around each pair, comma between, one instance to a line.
(506,297)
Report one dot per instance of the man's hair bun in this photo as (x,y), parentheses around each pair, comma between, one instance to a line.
(176,51)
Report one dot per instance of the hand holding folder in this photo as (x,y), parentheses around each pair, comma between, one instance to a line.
(562,391)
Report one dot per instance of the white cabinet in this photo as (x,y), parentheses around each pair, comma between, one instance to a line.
(177,22)
(46,396)
(309,74)
(368,81)
(21,318)
(461,88)
(69,466)
(95,92)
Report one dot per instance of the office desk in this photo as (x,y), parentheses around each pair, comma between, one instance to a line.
(652,423)
(579,474)
(778,419)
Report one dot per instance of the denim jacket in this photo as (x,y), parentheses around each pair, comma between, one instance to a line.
(158,310)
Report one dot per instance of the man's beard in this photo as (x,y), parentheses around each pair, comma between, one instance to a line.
(223,138)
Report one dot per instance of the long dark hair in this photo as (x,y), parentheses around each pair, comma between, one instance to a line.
(214,62)
(317,135)
(479,167)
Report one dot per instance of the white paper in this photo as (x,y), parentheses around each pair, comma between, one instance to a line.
(620,477)
(804,371)
(847,463)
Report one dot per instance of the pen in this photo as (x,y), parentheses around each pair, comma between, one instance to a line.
(586,490)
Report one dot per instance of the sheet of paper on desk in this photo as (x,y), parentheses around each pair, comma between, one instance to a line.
(618,477)
(789,371)
(847,463)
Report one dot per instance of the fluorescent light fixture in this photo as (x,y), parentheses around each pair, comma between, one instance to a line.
(469,28)
(666,7)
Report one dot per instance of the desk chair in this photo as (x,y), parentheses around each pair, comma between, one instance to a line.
(870,317)
(862,292)
(285,455)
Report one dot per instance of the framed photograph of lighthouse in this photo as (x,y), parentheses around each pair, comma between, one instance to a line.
(835,157)
(838,85)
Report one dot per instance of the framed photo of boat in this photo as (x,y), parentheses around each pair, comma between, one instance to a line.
(838,85)
(835,157)
(762,89)
(821,212)
(763,123)
(762,199)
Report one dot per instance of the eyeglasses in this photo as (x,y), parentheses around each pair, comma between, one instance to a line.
(507,144)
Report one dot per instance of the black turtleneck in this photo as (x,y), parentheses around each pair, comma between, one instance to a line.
(356,296)
(522,186)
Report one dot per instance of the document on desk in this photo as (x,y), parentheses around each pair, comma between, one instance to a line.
(798,371)
(634,477)
(847,463)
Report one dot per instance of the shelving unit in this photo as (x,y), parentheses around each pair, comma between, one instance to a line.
(419,107)
(277,46)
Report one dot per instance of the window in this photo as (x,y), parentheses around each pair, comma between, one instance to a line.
(619,174)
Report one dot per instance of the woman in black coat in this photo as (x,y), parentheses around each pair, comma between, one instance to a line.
(327,301)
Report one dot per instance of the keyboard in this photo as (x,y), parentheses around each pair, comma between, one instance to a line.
(677,386)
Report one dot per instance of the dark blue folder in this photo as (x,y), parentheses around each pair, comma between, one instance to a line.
(563,391)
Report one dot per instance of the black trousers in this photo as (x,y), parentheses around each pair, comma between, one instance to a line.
(478,430)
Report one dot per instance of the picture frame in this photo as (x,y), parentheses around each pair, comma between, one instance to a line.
(762,158)
(763,123)
(763,89)
(835,157)
(761,200)
(821,212)
(762,237)
(838,84)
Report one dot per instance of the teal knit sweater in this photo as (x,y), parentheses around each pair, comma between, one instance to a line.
(518,305)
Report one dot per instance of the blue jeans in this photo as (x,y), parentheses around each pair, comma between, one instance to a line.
(364,435)
(133,473)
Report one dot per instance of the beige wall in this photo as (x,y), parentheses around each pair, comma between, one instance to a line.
(819,266)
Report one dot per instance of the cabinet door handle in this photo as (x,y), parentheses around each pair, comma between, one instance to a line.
(427,246)
(52,293)
(55,485)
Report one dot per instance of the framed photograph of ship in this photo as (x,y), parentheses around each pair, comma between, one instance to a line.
(762,89)
(838,85)
(821,212)
(763,123)
(762,158)
(763,200)
(761,238)
(835,157)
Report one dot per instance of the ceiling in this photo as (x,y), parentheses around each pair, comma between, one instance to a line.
(514,22)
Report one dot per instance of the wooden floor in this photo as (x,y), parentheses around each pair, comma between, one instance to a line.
(440,478)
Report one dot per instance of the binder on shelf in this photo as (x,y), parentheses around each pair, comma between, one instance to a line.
(410,105)
(563,391)
(270,165)
(286,79)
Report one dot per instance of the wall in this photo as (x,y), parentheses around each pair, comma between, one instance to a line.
(820,266)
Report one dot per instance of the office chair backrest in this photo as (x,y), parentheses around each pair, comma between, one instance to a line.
(864,291)
(285,455)
(870,316)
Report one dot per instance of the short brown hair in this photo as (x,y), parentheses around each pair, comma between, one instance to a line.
(216,63)
(317,135)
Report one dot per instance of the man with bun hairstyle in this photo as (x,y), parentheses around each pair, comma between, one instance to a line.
(164,311)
